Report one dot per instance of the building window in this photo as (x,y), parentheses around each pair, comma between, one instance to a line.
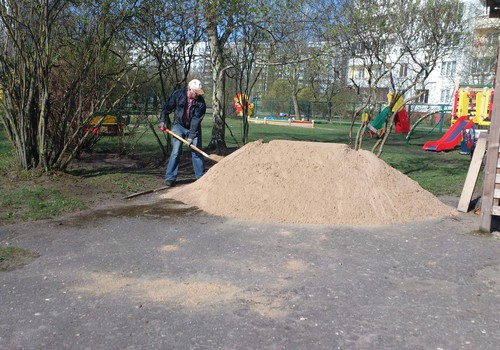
(359,49)
(377,71)
(455,39)
(424,96)
(403,70)
(359,73)
(492,39)
(445,96)
(481,66)
(448,68)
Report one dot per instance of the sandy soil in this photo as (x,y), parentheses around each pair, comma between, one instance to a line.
(309,183)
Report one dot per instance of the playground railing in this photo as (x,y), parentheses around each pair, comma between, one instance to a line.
(338,112)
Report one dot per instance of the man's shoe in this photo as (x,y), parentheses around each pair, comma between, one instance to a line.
(170,183)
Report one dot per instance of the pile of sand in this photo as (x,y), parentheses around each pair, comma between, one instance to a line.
(309,183)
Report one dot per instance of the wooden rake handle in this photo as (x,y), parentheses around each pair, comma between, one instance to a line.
(165,129)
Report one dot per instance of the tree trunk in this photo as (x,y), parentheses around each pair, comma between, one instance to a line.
(296,106)
(246,128)
(216,53)
(20,121)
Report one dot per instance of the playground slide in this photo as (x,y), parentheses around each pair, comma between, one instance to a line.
(451,138)
(377,123)
(401,122)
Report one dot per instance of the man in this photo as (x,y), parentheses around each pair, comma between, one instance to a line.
(189,109)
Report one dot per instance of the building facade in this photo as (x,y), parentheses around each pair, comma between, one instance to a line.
(471,62)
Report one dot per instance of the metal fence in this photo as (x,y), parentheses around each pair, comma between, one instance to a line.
(329,112)
(334,112)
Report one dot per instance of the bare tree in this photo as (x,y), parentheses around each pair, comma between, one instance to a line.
(165,36)
(248,55)
(222,19)
(219,18)
(293,35)
(58,65)
(385,41)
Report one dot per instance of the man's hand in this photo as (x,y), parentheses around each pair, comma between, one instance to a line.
(161,125)
(190,142)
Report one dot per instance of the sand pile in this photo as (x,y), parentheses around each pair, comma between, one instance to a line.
(309,183)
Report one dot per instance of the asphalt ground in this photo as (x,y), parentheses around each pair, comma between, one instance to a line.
(155,274)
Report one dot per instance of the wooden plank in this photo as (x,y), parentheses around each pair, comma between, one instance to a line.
(472,174)
(491,160)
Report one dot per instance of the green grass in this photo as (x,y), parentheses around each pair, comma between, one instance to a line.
(441,173)
(7,159)
(35,204)
(14,257)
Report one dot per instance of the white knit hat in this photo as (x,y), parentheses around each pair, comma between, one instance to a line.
(195,85)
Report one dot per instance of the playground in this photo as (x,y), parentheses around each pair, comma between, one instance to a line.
(462,122)
(243,106)
(471,114)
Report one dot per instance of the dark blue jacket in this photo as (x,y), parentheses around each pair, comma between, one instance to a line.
(177,103)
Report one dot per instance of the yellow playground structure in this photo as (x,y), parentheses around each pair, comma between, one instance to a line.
(471,109)
(473,101)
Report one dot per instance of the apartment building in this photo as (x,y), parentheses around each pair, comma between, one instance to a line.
(474,65)
(473,62)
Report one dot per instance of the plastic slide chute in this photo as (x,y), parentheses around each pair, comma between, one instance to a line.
(379,121)
(402,124)
(451,138)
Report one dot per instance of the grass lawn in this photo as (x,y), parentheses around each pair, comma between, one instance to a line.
(14,257)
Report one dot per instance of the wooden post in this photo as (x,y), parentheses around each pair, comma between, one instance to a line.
(490,169)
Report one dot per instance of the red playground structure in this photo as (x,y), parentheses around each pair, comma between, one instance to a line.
(471,107)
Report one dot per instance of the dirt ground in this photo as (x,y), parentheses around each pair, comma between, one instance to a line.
(100,178)
(153,273)
(277,182)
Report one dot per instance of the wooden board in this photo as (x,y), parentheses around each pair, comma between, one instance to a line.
(472,174)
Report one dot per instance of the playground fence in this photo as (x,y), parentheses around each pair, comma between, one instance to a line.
(328,112)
